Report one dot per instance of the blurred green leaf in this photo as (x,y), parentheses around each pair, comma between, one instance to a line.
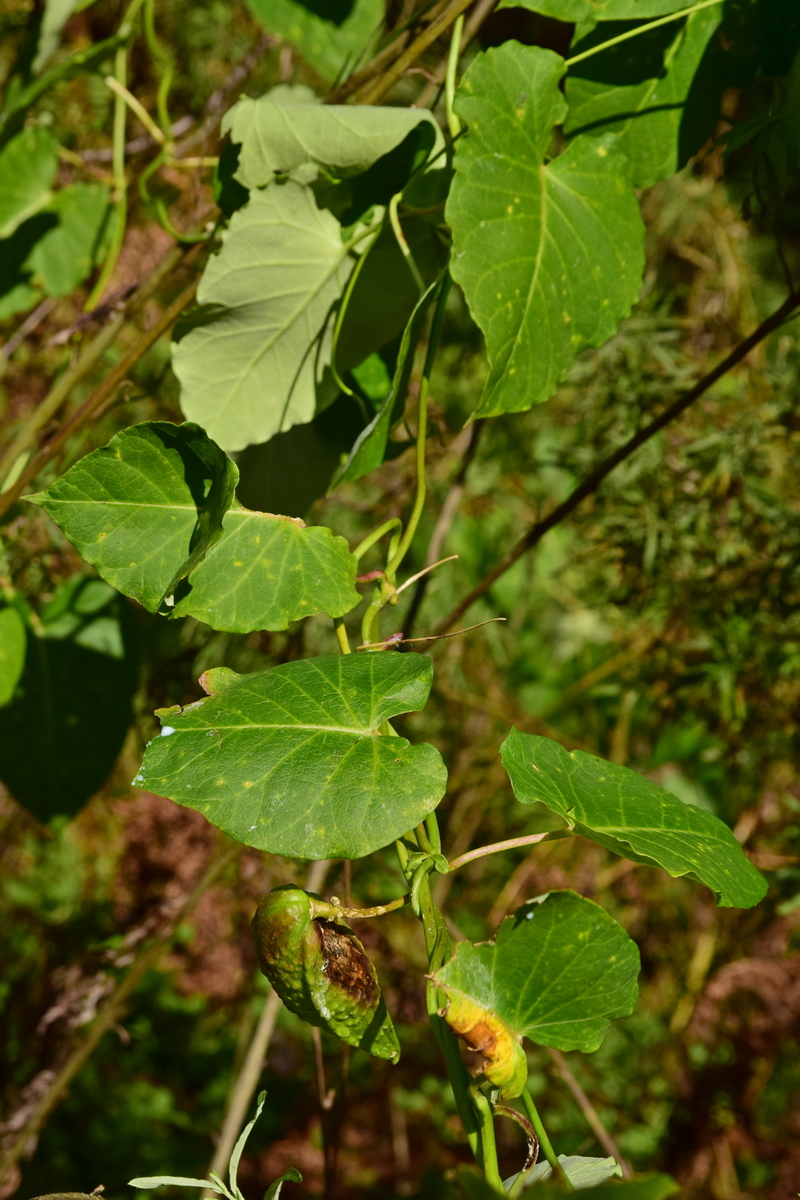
(28,165)
(12,652)
(291,760)
(328,36)
(65,255)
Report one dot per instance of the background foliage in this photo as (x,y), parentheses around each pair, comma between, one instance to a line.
(657,626)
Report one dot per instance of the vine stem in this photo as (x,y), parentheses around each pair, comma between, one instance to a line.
(334,910)
(593,480)
(632,33)
(376,535)
(544,1140)
(400,238)
(453,121)
(496,848)
(422,431)
(486,1118)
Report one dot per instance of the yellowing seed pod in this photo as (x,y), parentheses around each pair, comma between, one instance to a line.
(321,971)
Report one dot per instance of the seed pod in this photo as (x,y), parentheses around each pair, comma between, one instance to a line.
(321,971)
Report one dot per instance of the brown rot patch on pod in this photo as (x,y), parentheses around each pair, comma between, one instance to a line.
(345,962)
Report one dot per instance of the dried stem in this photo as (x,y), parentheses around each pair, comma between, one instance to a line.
(589,1111)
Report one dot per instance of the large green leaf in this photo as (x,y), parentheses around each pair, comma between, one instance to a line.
(12,652)
(268,571)
(277,137)
(153,509)
(328,35)
(250,358)
(550,257)
(72,708)
(559,970)
(65,255)
(628,814)
(28,165)
(583,11)
(656,99)
(292,760)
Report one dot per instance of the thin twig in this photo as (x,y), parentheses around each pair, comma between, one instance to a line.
(589,1111)
(593,480)
(371,95)
(101,398)
(496,848)
(28,325)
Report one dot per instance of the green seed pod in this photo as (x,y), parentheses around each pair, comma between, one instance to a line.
(321,971)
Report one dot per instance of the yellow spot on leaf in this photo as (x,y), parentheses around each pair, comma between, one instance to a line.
(506,1064)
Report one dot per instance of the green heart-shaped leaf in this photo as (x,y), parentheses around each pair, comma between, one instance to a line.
(292,760)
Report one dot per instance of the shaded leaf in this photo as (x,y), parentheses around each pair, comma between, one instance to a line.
(550,257)
(626,813)
(664,114)
(250,357)
(151,512)
(65,255)
(12,652)
(277,137)
(67,722)
(328,36)
(656,1188)
(558,971)
(28,165)
(291,760)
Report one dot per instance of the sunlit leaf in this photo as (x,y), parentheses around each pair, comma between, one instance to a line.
(581,1172)
(583,11)
(250,357)
(274,1190)
(648,92)
(28,165)
(559,970)
(628,814)
(328,35)
(292,760)
(550,256)
(151,513)
(56,15)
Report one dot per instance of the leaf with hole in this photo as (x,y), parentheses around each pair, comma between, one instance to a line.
(558,971)
(251,356)
(653,92)
(550,254)
(292,760)
(626,813)
(153,513)
(331,37)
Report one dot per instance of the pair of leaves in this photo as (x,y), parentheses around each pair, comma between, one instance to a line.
(292,760)
(559,970)
(626,813)
(253,358)
(329,35)
(153,513)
